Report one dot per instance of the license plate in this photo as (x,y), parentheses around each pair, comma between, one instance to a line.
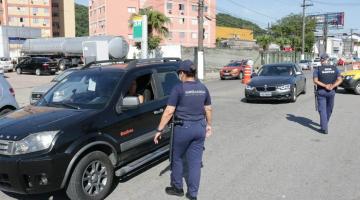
(265,94)
(226,74)
(53,70)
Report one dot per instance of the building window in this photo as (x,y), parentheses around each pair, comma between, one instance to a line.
(131,9)
(194,21)
(130,36)
(182,21)
(181,7)
(35,10)
(206,8)
(194,8)
(21,19)
(169,6)
(35,20)
(206,35)
(194,35)
(46,10)
(182,34)
(170,35)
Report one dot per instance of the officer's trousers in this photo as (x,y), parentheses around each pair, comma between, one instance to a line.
(188,142)
(326,105)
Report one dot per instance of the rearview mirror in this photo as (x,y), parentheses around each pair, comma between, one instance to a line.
(130,102)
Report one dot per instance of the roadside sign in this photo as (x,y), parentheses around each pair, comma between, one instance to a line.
(137,28)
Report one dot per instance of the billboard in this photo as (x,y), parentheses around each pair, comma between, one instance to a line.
(333,20)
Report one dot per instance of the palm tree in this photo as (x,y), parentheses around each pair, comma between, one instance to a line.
(282,41)
(156,26)
(264,41)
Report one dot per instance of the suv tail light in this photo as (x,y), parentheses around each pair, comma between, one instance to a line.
(45,65)
(12,92)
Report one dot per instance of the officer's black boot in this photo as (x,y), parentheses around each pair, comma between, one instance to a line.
(174,191)
(190,197)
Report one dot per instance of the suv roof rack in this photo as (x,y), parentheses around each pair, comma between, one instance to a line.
(106,61)
(134,63)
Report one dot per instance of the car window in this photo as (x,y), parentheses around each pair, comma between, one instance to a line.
(84,89)
(167,81)
(61,76)
(41,60)
(142,87)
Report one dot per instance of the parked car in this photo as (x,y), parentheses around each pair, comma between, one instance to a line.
(7,98)
(333,61)
(341,61)
(305,64)
(6,65)
(87,129)
(233,70)
(316,62)
(351,81)
(276,82)
(37,65)
(39,91)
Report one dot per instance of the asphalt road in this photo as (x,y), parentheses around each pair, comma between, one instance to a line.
(266,151)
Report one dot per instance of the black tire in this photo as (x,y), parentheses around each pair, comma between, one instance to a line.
(293,94)
(62,65)
(52,73)
(304,91)
(18,70)
(38,72)
(221,78)
(76,188)
(357,88)
(5,111)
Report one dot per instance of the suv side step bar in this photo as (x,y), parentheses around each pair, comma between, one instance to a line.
(140,162)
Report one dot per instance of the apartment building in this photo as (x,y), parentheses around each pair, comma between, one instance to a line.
(63,18)
(59,21)
(112,17)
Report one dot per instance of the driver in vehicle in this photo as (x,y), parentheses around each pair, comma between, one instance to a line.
(133,92)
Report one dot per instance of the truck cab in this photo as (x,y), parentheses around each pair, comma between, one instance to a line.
(87,128)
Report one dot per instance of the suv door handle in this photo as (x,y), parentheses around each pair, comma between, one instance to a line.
(156,112)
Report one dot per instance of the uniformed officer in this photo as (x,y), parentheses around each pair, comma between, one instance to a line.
(327,78)
(190,102)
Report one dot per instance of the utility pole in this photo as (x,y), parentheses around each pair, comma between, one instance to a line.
(200,53)
(325,36)
(304,5)
(351,42)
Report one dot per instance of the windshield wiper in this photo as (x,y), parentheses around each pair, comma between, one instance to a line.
(67,105)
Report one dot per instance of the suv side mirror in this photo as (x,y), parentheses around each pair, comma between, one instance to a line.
(298,73)
(130,102)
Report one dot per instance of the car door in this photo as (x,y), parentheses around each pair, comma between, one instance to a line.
(135,128)
(300,79)
(24,64)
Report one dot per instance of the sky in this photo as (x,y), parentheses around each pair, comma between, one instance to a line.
(263,12)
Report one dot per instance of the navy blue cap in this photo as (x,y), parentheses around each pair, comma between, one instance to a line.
(186,66)
(324,56)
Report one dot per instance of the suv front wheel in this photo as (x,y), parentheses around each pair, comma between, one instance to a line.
(92,178)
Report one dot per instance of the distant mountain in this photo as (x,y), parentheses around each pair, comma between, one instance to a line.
(234,22)
(81,20)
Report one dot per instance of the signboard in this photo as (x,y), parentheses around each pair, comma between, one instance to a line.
(137,28)
(333,20)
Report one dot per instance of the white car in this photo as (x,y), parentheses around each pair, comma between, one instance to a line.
(7,97)
(316,62)
(305,64)
(6,65)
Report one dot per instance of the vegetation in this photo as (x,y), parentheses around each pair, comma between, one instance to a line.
(264,41)
(233,22)
(288,31)
(81,20)
(156,27)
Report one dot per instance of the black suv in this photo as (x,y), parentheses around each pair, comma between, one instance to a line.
(86,129)
(37,65)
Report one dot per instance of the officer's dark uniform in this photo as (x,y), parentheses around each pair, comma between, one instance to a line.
(327,74)
(189,98)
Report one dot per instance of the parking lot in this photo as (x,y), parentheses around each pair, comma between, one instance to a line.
(259,151)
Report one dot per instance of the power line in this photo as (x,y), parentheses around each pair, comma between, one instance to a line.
(336,4)
(251,10)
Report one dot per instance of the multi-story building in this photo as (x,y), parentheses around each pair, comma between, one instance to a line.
(112,17)
(39,14)
(63,18)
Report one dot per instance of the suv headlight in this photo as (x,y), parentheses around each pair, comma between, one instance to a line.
(284,87)
(248,87)
(34,142)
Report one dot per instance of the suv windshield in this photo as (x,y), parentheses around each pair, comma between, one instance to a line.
(304,61)
(88,89)
(61,76)
(272,70)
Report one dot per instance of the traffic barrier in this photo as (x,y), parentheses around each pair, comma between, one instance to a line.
(247,74)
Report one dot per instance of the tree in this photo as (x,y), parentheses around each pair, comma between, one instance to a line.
(264,41)
(290,27)
(81,20)
(156,27)
(282,42)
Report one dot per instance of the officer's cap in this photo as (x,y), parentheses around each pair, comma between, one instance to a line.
(187,66)
(324,56)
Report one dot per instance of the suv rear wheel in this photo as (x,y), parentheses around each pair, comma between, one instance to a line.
(18,71)
(92,178)
(357,88)
(38,72)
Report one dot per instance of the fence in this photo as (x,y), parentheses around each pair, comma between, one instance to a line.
(280,57)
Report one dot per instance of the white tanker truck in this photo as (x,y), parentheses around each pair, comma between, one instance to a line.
(68,52)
